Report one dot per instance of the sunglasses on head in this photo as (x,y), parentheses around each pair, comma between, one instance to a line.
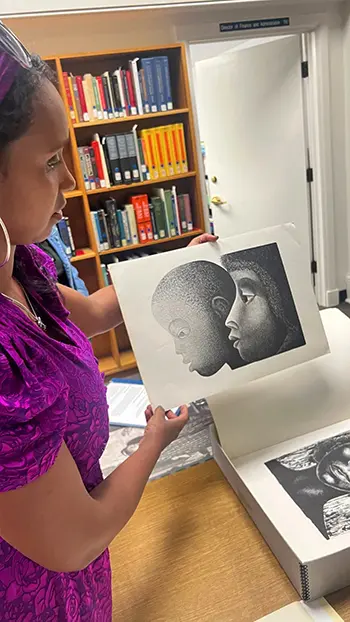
(10,45)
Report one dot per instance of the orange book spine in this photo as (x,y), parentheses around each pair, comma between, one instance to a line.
(146,214)
(159,151)
(142,231)
(182,147)
(149,231)
(151,153)
(137,205)
(176,147)
(165,138)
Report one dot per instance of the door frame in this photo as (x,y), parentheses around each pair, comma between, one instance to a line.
(317,28)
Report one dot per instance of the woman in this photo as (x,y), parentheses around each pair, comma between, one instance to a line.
(57,516)
(263,318)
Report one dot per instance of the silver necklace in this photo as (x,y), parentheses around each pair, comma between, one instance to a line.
(31,311)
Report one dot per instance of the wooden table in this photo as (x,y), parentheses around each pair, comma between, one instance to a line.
(192,554)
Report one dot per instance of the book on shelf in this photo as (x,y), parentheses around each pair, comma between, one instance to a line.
(65,232)
(127,158)
(125,164)
(142,219)
(142,86)
(105,274)
(170,217)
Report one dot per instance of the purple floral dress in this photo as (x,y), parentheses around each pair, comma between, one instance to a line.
(50,391)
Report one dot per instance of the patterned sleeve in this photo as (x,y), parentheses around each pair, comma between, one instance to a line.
(33,408)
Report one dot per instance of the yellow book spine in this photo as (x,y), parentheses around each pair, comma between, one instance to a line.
(160,155)
(150,156)
(182,147)
(168,157)
(170,145)
(176,147)
(70,82)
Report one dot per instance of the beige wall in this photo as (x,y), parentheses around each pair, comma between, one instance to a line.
(68,34)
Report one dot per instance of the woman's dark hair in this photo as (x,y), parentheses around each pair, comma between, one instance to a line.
(17,108)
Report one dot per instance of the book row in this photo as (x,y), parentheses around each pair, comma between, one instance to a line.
(127,158)
(143,219)
(65,232)
(144,87)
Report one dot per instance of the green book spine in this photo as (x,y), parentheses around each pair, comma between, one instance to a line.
(170,212)
(159,215)
(182,210)
(97,99)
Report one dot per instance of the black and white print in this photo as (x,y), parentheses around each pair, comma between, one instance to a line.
(210,318)
(317,478)
(191,447)
(234,314)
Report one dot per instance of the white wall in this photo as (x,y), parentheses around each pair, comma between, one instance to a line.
(340,171)
(111,30)
(346,127)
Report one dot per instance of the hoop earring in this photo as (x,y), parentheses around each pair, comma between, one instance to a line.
(8,243)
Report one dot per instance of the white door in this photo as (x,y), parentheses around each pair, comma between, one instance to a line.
(250,110)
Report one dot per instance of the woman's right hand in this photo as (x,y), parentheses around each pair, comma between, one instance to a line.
(163,427)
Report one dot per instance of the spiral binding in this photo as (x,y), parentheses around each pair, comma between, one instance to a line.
(305,581)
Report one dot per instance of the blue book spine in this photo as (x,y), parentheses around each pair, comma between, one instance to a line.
(147,66)
(64,234)
(104,274)
(145,103)
(167,83)
(97,222)
(121,227)
(159,82)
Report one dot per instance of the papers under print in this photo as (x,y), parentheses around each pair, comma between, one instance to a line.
(191,447)
(317,478)
(205,319)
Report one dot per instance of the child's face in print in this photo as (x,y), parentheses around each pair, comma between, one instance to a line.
(254,330)
(334,468)
(187,328)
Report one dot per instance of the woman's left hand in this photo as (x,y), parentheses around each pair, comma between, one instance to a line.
(201,239)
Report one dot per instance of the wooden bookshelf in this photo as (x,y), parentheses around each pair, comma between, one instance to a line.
(133,118)
(129,187)
(113,349)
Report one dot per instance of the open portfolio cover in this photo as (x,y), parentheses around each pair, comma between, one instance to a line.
(208,318)
(288,459)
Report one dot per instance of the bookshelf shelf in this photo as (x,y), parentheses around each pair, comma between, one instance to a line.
(113,349)
(88,254)
(73,195)
(127,360)
(138,117)
(152,182)
(133,247)
(108,365)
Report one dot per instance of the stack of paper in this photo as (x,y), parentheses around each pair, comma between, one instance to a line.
(127,401)
(316,611)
